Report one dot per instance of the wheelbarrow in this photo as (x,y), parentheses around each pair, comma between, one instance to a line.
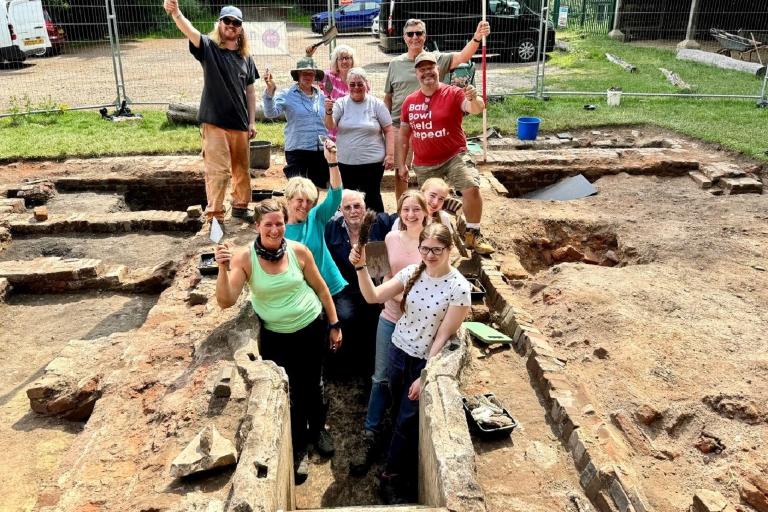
(730,43)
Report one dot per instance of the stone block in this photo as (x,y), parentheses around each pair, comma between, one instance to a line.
(751,493)
(710,501)
(578,449)
(223,386)
(13,205)
(567,254)
(635,437)
(741,185)
(207,450)
(589,479)
(647,415)
(717,170)
(620,498)
(41,213)
(604,503)
(195,212)
(5,288)
(700,180)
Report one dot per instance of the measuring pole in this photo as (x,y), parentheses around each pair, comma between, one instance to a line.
(484,68)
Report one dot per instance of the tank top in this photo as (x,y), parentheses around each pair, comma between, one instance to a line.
(285,302)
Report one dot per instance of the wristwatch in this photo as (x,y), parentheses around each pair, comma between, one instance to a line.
(333,164)
(335,325)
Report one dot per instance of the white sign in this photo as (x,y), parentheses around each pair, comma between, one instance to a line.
(562,17)
(267,38)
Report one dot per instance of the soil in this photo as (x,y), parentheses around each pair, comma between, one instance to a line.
(33,329)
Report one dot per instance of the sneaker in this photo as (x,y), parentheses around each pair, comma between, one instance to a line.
(474,242)
(244,214)
(392,491)
(324,443)
(300,467)
(362,460)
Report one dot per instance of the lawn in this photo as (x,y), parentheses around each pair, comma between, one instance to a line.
(735,124)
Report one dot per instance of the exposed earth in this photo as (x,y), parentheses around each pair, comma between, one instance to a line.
(670,338)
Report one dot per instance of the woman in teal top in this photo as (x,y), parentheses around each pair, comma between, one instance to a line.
(289,295)
(306,220)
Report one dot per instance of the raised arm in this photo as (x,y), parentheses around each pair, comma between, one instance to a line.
(330,157)
(328,120)
(172,8)
(483,30)
(233,273)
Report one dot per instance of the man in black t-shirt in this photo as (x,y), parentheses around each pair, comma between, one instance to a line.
(227,107)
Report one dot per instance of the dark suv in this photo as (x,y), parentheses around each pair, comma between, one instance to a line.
(450,24)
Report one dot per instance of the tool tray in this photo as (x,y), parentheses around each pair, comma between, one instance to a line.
(483,431)
(208,265)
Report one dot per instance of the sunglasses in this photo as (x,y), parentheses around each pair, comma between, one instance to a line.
(437,251)
(417,33)
(232,21)
(356,84)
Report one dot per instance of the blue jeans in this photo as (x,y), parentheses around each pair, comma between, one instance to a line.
(380,397)
(402,458)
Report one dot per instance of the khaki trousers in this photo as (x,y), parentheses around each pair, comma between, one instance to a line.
(225,151)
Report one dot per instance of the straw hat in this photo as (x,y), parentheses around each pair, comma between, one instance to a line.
(304,64)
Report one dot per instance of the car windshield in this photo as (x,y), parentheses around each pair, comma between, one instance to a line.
(504,7)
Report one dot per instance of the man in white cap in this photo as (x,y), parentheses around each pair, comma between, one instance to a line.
(430,121)
(227,107)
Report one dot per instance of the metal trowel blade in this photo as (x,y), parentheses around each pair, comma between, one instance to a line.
(216,232)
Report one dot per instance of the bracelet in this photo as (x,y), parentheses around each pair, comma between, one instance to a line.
(333,164)
(478,41)
(334,325)
(361,267)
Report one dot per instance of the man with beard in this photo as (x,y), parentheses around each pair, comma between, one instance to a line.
(227,107)
(431,121)
(401,80)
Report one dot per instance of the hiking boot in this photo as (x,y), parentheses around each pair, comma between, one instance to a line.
(362,460)
(243,214)
(300,467)
(475,242)
(392,490)
(324,443)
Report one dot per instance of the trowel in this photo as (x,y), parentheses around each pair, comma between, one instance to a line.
(330,34)
(216,233)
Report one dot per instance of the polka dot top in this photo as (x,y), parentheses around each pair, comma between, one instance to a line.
(426,306)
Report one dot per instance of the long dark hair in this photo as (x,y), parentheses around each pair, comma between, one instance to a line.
(440,233)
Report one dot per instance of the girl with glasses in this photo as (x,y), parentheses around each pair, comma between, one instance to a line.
(435,300)
(364,137)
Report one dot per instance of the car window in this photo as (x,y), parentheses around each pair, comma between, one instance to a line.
(371,5)
(504,7)
(352,8)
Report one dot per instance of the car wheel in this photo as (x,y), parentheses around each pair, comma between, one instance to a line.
(525,51)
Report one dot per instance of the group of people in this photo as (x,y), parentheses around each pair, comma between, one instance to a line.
(306,270)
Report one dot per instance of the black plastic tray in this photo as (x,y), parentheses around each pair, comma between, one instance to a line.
(488,432)
(207,265)
(477,291)
(259,194)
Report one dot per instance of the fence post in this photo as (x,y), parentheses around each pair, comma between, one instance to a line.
(541,56)
(555,12)
(117,63)
(331,23)
(583,13)
(616,33)
(690,33)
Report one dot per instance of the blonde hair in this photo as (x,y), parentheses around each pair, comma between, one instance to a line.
(342,48)
(269,206)
(436,183)
(422,202)
(440,233)
(243,48)
(301,186)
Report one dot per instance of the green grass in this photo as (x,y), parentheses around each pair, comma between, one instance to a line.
(735,124)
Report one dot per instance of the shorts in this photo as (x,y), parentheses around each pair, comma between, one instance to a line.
(459,172)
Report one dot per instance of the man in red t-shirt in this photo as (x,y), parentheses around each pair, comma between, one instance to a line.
(431,122)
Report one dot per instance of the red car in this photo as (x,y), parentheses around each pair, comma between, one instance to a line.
(55,34)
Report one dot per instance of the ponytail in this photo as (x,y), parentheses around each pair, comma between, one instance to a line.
(415,277)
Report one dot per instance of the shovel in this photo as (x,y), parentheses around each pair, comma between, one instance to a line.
(376,259)
(216,234)
(330,34)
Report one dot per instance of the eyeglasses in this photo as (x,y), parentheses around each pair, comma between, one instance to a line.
(437,251)
(344,57)
(232,21)
(356,206)
(417,33)
(356,84)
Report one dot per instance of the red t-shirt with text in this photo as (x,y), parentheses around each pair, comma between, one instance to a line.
(435,121)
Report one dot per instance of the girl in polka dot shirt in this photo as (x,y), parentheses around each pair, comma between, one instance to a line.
(436,298)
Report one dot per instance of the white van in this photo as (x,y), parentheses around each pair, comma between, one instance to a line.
(22,29)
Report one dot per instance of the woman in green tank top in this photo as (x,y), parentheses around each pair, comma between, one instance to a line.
(289,295)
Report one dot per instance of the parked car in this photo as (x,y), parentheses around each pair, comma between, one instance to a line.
(354,17)
(450,24)
(375,27)
(56,35)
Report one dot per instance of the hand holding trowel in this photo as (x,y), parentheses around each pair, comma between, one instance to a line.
(222,251)
(327,37)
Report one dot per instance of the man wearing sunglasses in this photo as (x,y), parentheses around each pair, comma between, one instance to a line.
(401,79)
(227,107)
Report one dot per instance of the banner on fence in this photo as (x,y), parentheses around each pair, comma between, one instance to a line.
(562,17)
(267,38)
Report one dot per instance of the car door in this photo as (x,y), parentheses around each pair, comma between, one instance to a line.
(346,16)
(29,23)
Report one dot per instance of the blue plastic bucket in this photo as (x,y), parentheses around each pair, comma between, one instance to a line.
(528,128)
